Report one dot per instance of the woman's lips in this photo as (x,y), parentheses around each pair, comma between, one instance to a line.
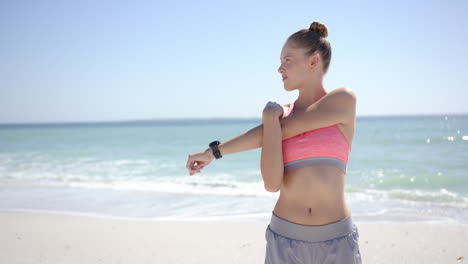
(284,78)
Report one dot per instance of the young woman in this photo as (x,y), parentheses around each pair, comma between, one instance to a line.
(305,150)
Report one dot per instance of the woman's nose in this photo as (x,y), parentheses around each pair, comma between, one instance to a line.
(280,70)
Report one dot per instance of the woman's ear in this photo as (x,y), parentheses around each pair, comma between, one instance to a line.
(314,59)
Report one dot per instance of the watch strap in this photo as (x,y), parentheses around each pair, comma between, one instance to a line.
(214,148)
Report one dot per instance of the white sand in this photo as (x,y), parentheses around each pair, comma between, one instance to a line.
(30,237)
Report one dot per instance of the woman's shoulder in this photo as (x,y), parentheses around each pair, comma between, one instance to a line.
(343,91)
(342,98)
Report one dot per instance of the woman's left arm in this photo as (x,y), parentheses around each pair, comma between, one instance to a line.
(271,163)
(339,106)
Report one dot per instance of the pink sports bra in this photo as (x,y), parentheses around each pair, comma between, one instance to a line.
(322,146)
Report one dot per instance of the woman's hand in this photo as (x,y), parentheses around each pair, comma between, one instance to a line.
(272,111)
(202,159)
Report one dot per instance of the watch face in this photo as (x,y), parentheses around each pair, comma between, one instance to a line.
(214,143)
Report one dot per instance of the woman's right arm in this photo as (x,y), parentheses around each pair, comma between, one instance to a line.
(251,139)
(248,140)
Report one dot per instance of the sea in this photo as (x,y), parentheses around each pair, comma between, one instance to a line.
(401,169)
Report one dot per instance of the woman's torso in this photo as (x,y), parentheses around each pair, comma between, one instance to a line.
(314,195)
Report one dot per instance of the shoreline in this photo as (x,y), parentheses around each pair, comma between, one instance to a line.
(133,204)
(235,218)
(32,237)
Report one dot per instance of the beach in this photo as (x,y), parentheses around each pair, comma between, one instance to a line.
(120,193)
(43,237)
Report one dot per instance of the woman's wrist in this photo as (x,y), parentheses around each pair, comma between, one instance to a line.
(270,120)
(209,152)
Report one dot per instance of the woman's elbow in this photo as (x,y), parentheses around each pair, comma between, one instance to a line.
(272,186)
(272,189)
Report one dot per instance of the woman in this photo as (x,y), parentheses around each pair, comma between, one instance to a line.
(305,149)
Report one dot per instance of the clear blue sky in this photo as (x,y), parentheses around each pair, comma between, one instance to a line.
(65,61)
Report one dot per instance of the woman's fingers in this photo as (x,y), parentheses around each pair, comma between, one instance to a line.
(190,163)
(195,163)
(197,170)
(189,166)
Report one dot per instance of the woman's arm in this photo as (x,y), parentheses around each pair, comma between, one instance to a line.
(271,163)
(248,140)
(333,110)
(339,106)
(328,111)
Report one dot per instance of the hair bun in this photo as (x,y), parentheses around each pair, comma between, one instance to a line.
(319,28)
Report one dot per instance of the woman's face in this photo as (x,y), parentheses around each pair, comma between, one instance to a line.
(294,68)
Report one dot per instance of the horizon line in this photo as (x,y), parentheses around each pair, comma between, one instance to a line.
(181,119)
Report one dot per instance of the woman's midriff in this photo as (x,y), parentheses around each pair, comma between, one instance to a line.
(312,195)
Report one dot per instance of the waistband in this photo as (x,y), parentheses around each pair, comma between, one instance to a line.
(332,161)
(311,233)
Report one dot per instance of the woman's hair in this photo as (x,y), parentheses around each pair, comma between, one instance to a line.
(313,39)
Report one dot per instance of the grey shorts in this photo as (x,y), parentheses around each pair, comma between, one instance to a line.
(293,243)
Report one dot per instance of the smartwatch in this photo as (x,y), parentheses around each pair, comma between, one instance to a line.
(214,147)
